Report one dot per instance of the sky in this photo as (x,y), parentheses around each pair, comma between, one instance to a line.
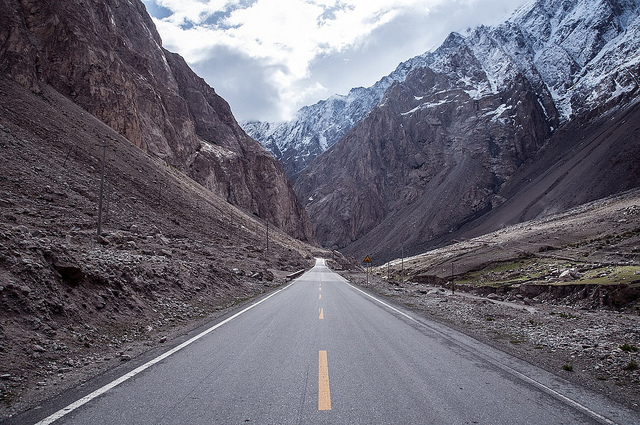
(268,58)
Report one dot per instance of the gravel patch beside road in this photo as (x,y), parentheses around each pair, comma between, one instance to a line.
(595,348)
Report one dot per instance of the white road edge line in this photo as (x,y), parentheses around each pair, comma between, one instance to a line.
(522,376)
(73,406)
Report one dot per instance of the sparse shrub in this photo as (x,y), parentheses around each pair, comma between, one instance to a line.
(629,348)
(567,367)
(490,319)
(632,365)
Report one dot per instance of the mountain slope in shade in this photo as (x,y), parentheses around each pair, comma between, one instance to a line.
(442,147)
(170,252)
(108,58)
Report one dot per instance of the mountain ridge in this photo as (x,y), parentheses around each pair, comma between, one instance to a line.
(437,151)
(317,127)
(295,143)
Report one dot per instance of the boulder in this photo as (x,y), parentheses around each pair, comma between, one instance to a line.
(70,272)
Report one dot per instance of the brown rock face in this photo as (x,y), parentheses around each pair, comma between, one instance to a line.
(479,137)
(426,161)
(108,58)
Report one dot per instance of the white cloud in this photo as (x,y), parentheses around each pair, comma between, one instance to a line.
(291,39)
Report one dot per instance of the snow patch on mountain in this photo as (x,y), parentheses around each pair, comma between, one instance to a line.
(577,55)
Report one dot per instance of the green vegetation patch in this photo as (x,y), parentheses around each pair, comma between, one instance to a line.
(611,275)
(629,348)
(519,271)
(513,272)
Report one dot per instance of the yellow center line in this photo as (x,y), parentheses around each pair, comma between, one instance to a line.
(320,289)
(319,296)
(324,395)
(321,314)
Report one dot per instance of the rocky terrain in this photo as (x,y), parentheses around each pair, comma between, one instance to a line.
(315,128)
(170,252)
(594,236)
(562,292)
(108,58)
(596,348)
(122,175)
(553,90)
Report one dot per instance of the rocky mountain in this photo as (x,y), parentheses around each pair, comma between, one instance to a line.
(558,32)
(85,86)
(447,145)
(315,128)
(170,253)
(108,58)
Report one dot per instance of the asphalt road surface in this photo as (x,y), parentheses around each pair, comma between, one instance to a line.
(321,351)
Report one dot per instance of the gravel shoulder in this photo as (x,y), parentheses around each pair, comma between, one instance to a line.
(595,348)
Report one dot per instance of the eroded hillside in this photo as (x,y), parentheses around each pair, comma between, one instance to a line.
(171,252)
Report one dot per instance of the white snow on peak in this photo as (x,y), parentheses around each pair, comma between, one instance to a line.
(424,106)
(575,54)
(497,113)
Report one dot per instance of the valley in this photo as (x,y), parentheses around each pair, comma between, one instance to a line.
(493,181)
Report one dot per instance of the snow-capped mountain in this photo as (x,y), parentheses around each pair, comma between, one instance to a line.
(317,127)
(450,142)
(578,55)
(579,51)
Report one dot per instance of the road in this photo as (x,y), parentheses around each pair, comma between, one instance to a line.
(321,351)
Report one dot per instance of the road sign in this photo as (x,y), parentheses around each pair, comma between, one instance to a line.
(367,260)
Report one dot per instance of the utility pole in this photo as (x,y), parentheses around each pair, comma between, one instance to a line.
(453,285)
(104,154)
(107,202)
(402,263)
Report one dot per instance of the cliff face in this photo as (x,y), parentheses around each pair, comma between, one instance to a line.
(108,58)
(420,168)
(448,144)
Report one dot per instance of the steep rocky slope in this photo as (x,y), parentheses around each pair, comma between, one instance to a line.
(571,52)
(315,128)
(442,147)
(108,58)
(171,252)
(186,197)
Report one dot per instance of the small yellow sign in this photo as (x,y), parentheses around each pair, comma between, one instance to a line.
(367,260)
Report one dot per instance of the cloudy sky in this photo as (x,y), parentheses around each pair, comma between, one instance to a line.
(268,58)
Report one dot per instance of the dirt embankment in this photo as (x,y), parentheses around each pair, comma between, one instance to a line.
(170,254)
